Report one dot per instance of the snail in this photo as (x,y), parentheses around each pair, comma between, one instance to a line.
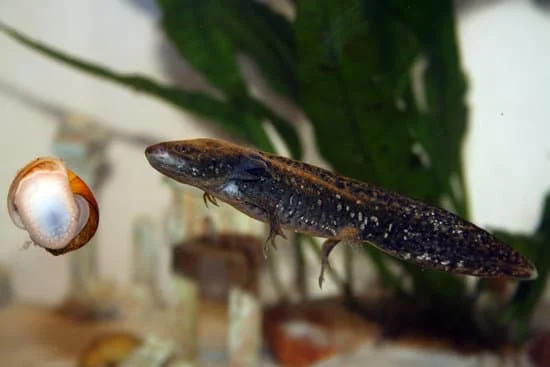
(54,205)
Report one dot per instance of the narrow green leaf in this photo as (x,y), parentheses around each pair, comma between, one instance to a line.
(519,311)
(283,127)
(210,33)
(234,120)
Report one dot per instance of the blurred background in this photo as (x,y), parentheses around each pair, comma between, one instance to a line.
(504,53)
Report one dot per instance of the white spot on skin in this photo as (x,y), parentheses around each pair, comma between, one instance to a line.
(424,257)
(338,196)
(360,217)
(374,219)
(347,208)
(390,227)
(232,190)
(166,158)
(445,263)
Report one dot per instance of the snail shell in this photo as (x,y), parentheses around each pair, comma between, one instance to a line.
(53,205)
(111,349)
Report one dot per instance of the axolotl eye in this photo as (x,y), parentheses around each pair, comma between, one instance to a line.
(250,168)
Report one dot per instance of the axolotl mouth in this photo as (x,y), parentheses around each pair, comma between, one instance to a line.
(163,161)
(203,163)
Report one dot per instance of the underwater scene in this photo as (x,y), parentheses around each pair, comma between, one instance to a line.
(196,183)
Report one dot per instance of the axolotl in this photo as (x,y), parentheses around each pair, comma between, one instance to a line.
(296,196)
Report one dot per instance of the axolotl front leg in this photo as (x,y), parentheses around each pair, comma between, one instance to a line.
(207,197)
(241,190)
(271,217)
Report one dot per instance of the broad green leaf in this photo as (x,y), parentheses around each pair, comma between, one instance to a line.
(442,123)
(210,33)
(355,63)
(236,121)
(348,94)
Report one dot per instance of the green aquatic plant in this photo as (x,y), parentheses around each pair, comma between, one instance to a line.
(517,314)
(383,87)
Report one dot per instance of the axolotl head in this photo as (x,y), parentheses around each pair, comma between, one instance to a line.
(203,163)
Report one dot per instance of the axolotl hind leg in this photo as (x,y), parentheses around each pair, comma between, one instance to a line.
(346,234)
(327,247)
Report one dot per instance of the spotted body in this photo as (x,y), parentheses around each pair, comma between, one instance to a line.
(293,195)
